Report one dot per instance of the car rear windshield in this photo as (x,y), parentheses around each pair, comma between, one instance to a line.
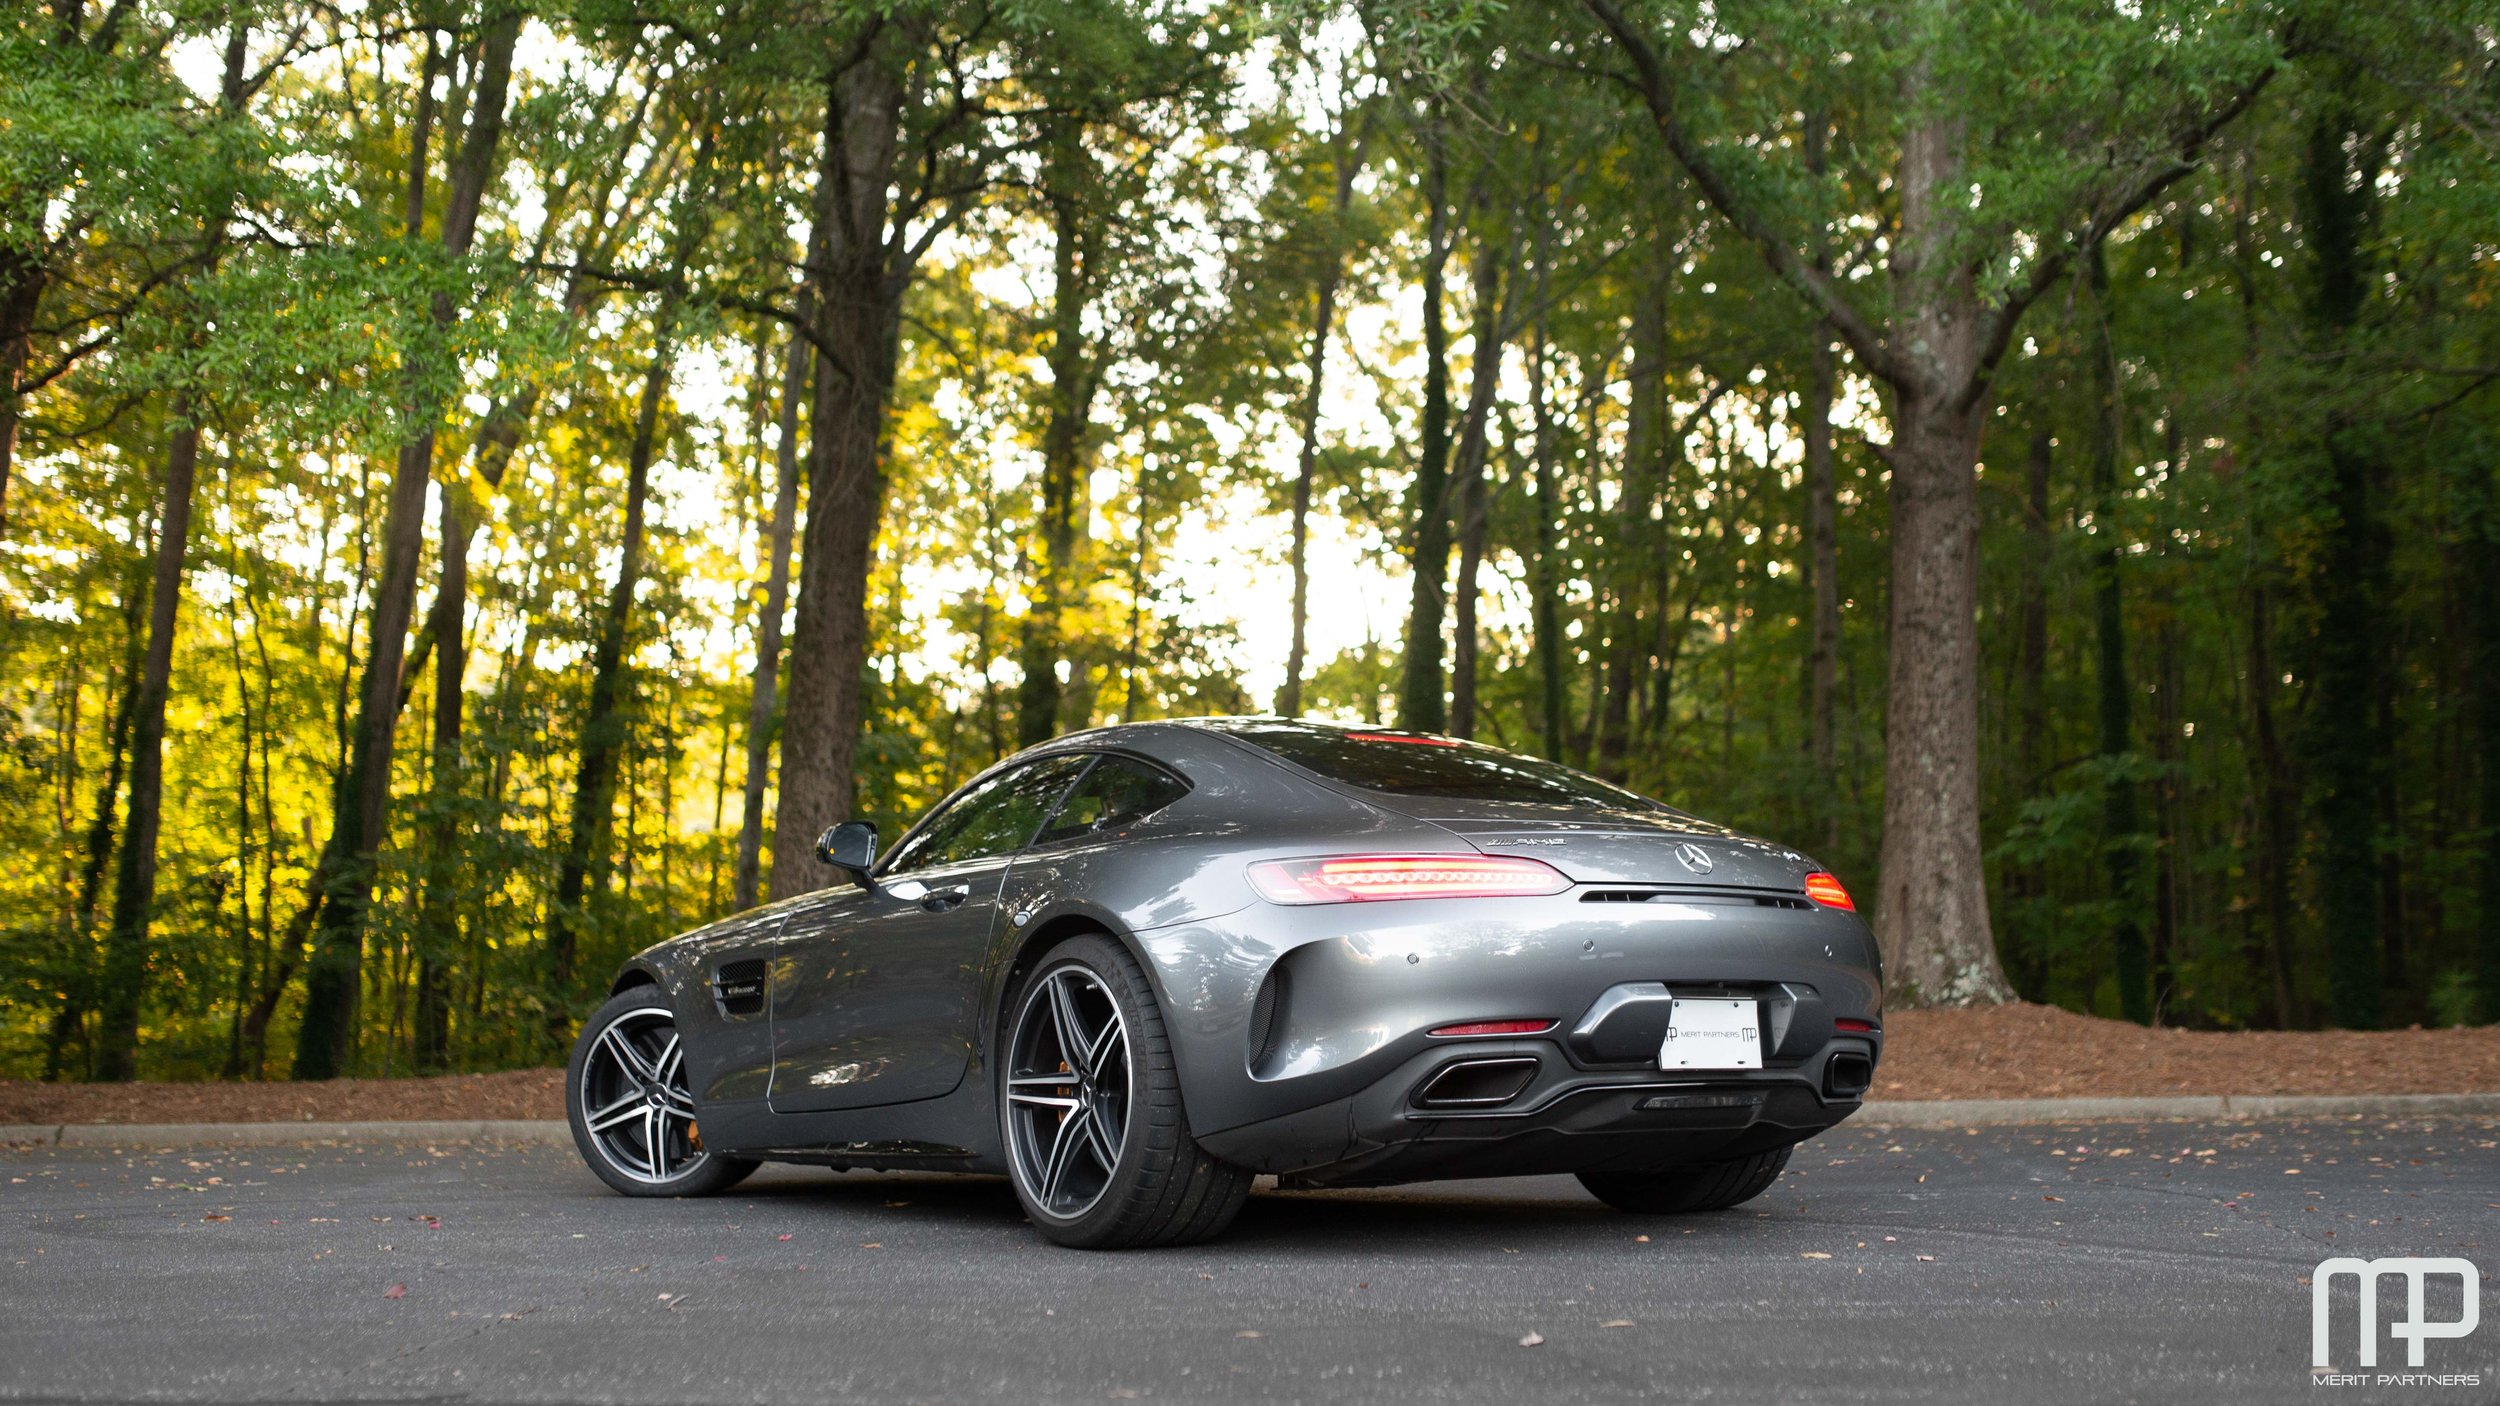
(1415,764)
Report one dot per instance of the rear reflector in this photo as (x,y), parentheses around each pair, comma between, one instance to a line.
(1497,1027)
(1847,1025)
(1826,890)
(1358,878)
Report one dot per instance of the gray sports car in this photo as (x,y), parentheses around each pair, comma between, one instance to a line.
(1133,968)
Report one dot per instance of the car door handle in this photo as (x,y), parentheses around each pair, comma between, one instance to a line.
(939,900)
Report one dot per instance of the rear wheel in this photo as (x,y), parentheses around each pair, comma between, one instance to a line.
(631,1106)
(1098,1144)
(1703,1186)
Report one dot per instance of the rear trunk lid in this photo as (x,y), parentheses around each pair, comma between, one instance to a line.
(1658,849)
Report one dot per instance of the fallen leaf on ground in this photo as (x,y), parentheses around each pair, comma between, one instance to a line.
(2052,1198)
(1532,1340)
(396,1291)
(1249,1333)
(785,1237)
(1617,1323)
(1814,1255)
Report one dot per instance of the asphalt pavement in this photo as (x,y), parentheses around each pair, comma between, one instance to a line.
(2078,1263)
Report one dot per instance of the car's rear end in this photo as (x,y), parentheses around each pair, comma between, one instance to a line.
(1569,979)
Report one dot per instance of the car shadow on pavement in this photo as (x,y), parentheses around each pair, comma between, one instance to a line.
(1444,1214)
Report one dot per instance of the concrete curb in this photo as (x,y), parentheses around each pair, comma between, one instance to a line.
(1939,1113)
(1947,1113)
(523,1131)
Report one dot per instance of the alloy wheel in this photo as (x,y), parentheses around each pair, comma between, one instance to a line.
(1068,1091)
(636,1103)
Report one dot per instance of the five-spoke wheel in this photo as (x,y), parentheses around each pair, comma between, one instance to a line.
(1068,1091)
(631,1106)
(1098,1143)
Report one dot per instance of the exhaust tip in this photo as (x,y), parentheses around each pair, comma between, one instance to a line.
(1848,1074)
(1477,1083)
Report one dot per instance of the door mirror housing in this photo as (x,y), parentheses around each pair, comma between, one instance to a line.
(852,848)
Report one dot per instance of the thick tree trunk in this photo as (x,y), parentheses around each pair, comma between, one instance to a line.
(1932,906)
(2343,740)
(857,321)
(1421,701)
(764,690)
(124,982)
(593,814)
(325,1043)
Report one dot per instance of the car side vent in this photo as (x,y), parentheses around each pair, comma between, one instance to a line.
(738,987)
(1266,1018)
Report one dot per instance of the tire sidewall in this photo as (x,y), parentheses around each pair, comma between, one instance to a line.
(1101,958)
(700,1177)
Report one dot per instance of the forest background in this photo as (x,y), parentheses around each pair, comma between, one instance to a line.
(482,485)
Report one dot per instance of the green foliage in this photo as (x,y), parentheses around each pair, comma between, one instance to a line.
(1644,547)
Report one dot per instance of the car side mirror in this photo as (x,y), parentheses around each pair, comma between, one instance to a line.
(852,848)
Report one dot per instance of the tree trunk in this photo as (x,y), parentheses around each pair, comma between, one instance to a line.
(1823,572)
(69,1017)
(1483,380)
(125,972)
(2343,741)
(21,293)
(1421,704)
(1065,504)
(858,310)
(760,701)
(325,1043)
(593,814)
(2119,821)
(1348,157)
(1546,567)
(1932,905)
(2484,549)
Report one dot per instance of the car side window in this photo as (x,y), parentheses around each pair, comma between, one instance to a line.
(1116,792)
(997,817)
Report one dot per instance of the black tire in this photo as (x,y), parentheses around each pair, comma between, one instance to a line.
(1676,1191)
(1160,1187)
(600,1082)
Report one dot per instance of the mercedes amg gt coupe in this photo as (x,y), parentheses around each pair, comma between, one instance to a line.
(1133,968)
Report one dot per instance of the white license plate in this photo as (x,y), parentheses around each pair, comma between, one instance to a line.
(1712,1033)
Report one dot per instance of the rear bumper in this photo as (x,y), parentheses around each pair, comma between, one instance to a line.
(1302,1034)
(1565,1119)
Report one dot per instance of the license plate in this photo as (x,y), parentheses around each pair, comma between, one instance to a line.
(1712,1032)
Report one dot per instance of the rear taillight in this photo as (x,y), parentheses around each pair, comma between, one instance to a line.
(1850,1025)
(1496,1027)
(1826,890)
(1360,878)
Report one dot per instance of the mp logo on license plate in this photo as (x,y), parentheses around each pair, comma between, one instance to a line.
(1712,1033)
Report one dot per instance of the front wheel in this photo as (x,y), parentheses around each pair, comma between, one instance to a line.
(1703,1186)
(632,1110)
(1097,1143)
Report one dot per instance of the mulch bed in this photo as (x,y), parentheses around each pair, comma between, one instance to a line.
(522,1093)
(2044,1052)
(2007,1052)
